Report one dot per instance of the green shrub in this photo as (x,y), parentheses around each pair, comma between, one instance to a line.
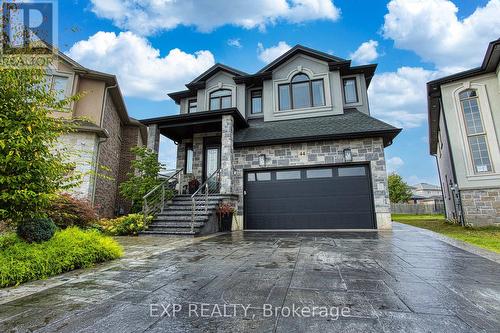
(69,249)
(67,211)
(36,230)
(130,224)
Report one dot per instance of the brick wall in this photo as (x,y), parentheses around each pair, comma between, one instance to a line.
(109,163)
(130,138)
(481,207)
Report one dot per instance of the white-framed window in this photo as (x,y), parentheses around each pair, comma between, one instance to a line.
(220,99)
(350,91)
(192,105)
(476,134)
(301,92)
(58,84)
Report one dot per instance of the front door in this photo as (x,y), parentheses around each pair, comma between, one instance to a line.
(211,157)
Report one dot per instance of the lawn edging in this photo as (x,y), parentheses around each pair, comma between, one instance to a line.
(493,256)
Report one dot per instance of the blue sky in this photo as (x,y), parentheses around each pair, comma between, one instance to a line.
(156,46)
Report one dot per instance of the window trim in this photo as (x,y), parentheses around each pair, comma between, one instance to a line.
(311,95)
(189,146)
(350,78)
(189,104)
(219,98)
(477,134)
(261,102)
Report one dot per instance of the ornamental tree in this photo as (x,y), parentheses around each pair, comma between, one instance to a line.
(399,191)
(32,169)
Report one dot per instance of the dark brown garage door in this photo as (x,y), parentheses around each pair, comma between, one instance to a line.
(309,198)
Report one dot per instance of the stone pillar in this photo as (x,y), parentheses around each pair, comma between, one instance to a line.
(227,154)
(153,138)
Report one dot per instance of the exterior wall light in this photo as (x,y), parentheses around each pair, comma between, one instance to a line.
(262,160)
(347,155)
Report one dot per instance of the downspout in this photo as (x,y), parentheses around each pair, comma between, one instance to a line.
(101,140)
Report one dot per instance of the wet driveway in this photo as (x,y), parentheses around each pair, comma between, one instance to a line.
(400,281)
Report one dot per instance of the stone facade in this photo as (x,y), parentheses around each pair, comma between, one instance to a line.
(227,154)
(481,206)
(109,163)
(317,153)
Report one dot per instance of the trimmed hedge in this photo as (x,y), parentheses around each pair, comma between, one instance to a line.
(69,249)
(36,230)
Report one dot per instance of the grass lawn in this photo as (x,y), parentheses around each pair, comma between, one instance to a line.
(485,237)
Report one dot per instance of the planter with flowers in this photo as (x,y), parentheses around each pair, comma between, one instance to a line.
(193,185)
(226,212)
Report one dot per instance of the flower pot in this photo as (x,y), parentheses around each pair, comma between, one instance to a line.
(226,222)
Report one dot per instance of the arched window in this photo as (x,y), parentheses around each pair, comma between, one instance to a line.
(220,99)
(301,92)
(476,134)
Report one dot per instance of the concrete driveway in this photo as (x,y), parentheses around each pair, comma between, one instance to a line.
(400,281)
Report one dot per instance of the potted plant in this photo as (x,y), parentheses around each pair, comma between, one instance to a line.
(225,212)
(193,185)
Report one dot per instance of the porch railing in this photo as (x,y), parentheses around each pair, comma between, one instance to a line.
(154,200)
(199,199)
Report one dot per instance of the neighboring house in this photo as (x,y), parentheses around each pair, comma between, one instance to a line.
(464,129)
(294,142)
(101,144)
(428,194)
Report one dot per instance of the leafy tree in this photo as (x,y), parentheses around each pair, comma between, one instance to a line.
(32,169)
(399,191)
(142,178)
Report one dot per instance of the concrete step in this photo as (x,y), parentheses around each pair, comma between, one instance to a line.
(184,212)
(173,233)
(160,224)
(181,218)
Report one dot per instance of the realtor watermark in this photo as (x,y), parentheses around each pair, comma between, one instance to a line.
(206,310)
(29,33)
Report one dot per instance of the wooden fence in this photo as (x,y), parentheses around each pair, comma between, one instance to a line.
(417,209)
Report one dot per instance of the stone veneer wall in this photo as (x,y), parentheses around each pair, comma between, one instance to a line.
(481,207)
(197,143)
(109,163)
(81,149)
(317,153)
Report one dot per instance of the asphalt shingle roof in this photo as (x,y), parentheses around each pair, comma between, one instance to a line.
(352,123)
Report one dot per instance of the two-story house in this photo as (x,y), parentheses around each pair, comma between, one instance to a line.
(294,143)
(464,128)
(100,145)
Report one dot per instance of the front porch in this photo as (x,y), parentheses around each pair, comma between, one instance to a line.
(204,145)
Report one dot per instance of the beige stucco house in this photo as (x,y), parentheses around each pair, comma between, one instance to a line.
(464,128)
(101,144)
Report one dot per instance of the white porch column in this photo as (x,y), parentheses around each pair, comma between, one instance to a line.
(153,138)
(227,154)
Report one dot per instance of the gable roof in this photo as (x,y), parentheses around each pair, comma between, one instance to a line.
(199,82)
(351,124)
(490,64)
(300,49)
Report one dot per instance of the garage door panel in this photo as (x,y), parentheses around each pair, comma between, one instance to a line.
(336,202)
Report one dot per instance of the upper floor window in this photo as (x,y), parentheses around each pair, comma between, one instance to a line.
(475,131)
(256,105)
(300,93)
(58,84)
(350,91)
(192,105)
(220,99)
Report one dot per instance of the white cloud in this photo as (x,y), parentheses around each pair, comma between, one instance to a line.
(167,153)
(235,42)
(394,163)
(149,16)
(273,52)
(413,180)
(141,70)
(365,53)
(400,97)
(432,30)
